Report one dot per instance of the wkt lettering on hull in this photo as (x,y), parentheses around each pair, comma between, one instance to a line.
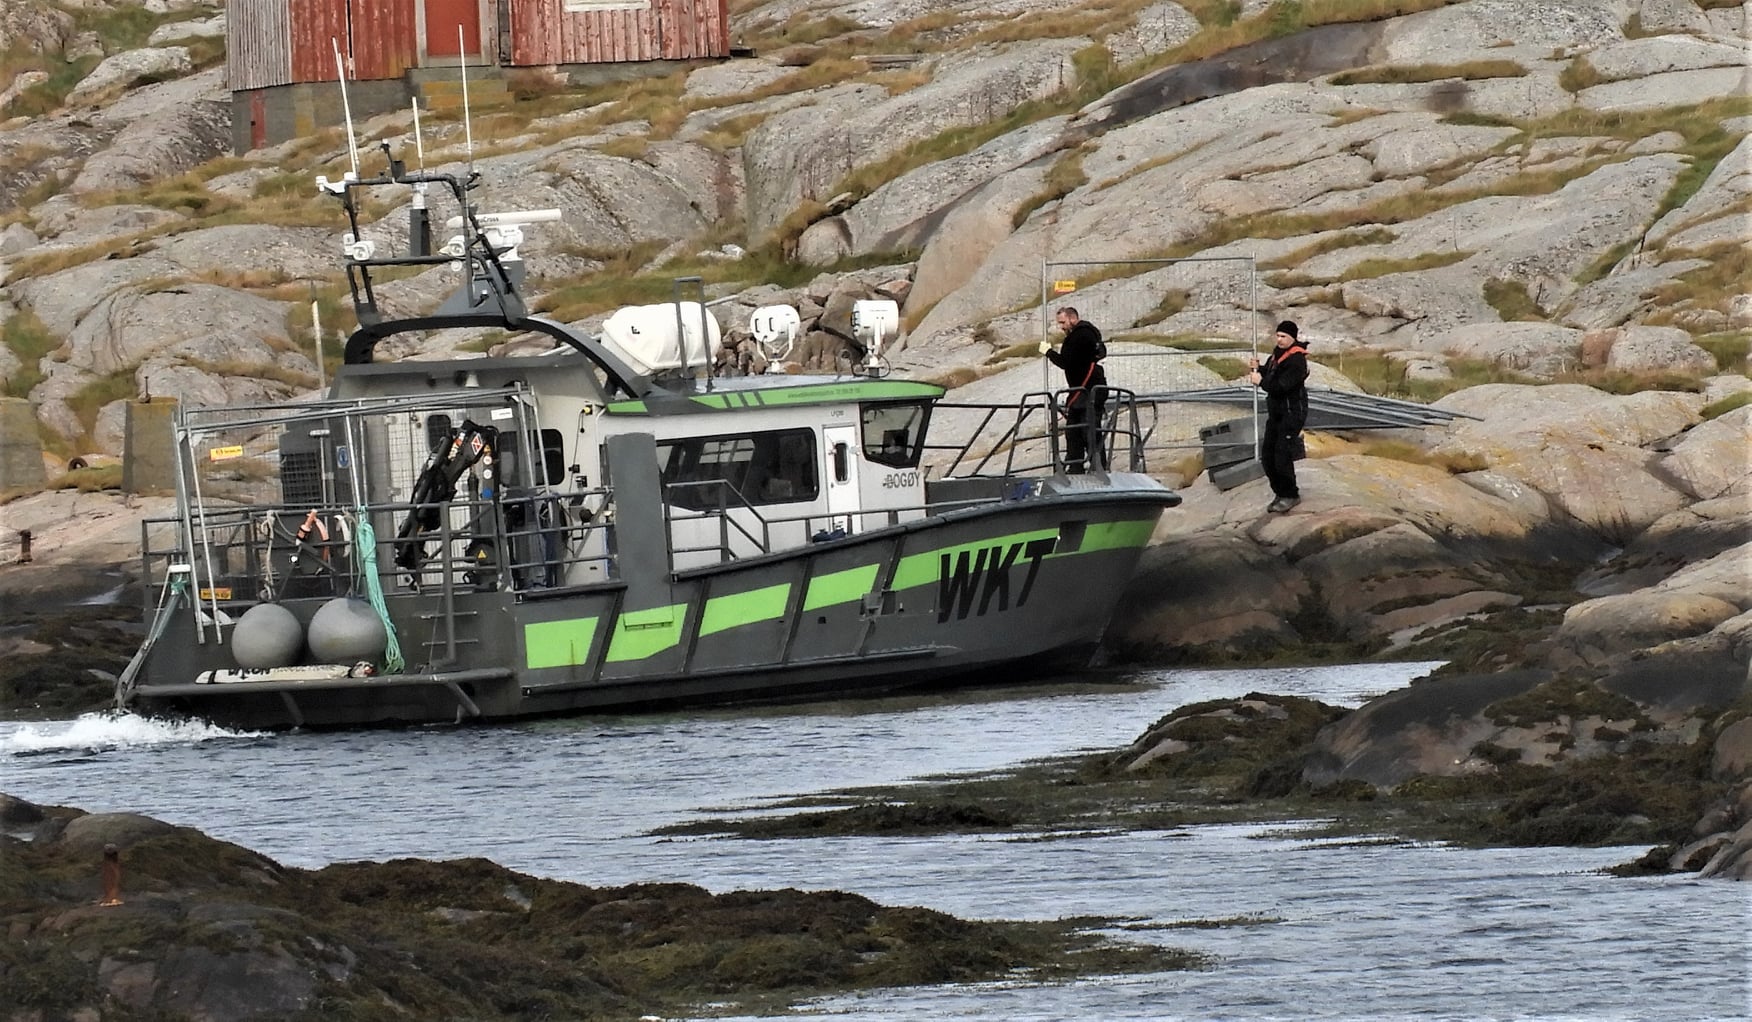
(986,572)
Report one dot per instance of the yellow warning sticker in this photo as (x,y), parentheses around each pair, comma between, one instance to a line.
(219,593)
(1063,287)
(225,453)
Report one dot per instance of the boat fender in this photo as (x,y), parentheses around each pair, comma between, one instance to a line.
(267,636)
(347,629)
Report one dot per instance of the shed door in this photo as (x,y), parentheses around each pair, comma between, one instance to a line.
(442,19)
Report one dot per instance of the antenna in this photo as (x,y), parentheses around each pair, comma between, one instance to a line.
(419,142)
(316,335)
(346,107)
(467,126)
(419,220)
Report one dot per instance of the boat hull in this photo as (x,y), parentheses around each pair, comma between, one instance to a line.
(1003,591)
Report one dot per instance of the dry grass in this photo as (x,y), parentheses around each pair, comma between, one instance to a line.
(1579,74)
(256,371)
(26,336)
(45,263)
(1399,450)
(1730,348)
(1096,19)
(1371,268)
(1330,243)
(1065,176)
(89,480)
(1379,375)
(1618,381)
(1354,115)
(1511,301)
(1409,74)
(629,147)
(1717,409)
(731,133)
(1604,263)
(90,399)
(1729,267)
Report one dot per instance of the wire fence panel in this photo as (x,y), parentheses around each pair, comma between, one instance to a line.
(1171,326)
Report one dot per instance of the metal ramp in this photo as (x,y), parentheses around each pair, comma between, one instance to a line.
(1229,447)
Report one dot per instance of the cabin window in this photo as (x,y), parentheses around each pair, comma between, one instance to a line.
(550,457)
(842,463)
(894,434)
(776,467)
(437,431)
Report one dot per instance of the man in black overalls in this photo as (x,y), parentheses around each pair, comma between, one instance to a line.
(1284,378)
(1079,357)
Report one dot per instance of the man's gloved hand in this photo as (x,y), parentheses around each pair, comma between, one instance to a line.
(1045,346)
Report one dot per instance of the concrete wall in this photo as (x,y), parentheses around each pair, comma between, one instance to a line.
(21,447)
(149,447)
(297,111)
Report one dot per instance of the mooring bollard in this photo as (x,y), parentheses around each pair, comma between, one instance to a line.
(24,546)
(112,876)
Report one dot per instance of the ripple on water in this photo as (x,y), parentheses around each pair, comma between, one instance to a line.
(1355,930)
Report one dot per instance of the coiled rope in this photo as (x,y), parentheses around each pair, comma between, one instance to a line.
(365,554)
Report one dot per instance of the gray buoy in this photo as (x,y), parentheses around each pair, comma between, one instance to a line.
(267,635)
(346,630)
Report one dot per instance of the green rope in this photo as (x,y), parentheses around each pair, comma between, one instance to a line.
(365,552)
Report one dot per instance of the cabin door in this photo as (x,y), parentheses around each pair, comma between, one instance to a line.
(443,19)
(842,477)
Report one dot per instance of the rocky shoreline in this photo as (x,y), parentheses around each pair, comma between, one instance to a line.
(207,929)
(1269,758)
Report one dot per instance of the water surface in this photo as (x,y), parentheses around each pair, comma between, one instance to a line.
(1332,929)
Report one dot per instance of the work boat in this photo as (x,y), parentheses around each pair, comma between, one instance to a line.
(608,526)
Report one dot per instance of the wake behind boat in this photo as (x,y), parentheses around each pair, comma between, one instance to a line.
(609,526)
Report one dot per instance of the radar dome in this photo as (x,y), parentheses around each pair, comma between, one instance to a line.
(267,635)
(346,630)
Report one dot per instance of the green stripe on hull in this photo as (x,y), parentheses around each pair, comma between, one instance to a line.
(558,643)
(726,612)
(839,587)
(926,568)
(643,633)
(1116,536)
(638,635)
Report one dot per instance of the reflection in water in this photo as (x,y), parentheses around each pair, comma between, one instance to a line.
(1365,930)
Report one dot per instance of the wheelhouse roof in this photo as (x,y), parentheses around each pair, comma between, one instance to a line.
(741,393)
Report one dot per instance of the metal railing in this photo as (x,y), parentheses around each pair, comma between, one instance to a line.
(1038,421)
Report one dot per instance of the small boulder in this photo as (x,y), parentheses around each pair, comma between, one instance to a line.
(131,67)
(88,834)
(1594,631)
(1658,349)
(1732,758)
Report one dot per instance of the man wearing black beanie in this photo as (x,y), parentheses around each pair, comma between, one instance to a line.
(1284,378)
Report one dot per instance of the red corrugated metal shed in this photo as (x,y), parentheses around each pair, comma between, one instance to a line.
(316,25)
(258,48)
(385,38)
(377,37)
(278,42)
(574,32)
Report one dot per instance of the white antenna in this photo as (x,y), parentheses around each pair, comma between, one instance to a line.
(419,142)
(419,220)
(316,332)
(467,128)
(346,107)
